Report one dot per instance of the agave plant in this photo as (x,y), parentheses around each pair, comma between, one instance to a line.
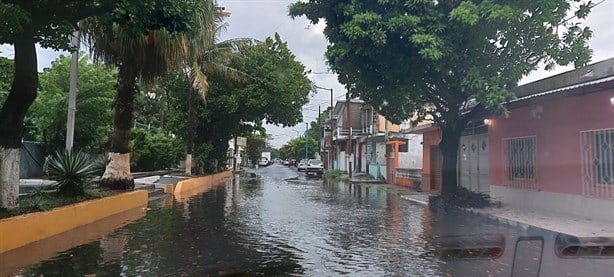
(100,163)
(72,170)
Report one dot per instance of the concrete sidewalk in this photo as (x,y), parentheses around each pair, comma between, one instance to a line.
(556,222)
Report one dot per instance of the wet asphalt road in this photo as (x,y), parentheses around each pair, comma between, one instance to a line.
(277,224)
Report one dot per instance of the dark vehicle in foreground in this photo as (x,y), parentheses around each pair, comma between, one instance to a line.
(314,166)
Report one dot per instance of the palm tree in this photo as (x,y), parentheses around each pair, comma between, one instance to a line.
(210,61)
(142,58)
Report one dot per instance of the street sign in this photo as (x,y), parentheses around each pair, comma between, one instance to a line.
(242,141)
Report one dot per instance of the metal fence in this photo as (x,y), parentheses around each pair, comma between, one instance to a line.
(597,159)
(32,160)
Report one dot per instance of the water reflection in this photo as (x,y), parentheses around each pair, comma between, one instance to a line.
(11,262)
(269,226)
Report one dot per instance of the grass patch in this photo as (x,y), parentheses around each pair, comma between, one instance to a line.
(44,200)
(332,174)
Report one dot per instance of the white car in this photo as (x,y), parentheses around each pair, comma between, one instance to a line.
(315,166)
(302,165)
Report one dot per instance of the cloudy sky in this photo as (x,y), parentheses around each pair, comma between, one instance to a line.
(262,18)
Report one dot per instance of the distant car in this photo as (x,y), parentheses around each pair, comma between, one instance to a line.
(263,161)
(292,162)
(286,162)
(302,165)
(314,166)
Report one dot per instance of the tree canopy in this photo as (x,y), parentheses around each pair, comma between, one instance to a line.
(6,76)
(295,148)
(439,57)
(96,90)
(274,90)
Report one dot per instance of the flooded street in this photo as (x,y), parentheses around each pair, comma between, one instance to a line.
(267,225)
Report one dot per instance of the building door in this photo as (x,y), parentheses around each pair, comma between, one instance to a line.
(473,163)
(435,173)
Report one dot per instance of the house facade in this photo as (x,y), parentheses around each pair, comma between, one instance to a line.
(555,151)
(367,143)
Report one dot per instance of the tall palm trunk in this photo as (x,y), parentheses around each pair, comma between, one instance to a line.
(12,114)
(117,174)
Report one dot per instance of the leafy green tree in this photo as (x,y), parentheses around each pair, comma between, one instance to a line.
(275,153)
(143,56)
(315,129)
(96,89)
(6,76)
(274,91)
(154,150)
(295,148)
(49,24)
(436,57)
(256,144)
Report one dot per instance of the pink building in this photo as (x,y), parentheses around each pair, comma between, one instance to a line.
(555,151)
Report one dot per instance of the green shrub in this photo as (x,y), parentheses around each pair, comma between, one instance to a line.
(72,170)
(332,174)
(154,151)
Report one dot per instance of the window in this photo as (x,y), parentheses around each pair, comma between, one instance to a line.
(520,163)
(604,157)
(598,162)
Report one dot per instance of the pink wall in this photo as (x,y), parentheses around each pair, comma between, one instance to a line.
(556,125)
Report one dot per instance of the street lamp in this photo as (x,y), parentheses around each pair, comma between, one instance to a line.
(315,88)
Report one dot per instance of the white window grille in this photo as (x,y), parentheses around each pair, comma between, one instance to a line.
(597,150)
(520,162)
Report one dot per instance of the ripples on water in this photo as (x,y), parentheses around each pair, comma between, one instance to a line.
(265,226)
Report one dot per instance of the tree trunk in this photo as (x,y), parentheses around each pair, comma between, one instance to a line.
(450,137)
(12,114)
(117,173)
(190,132)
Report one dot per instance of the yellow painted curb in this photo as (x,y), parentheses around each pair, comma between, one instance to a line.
(22,230)
(11,262)
(186,188)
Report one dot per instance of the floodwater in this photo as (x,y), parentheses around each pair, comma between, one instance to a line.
(267,225)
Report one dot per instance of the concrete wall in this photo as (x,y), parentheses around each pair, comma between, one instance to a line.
(557,125)
(413,157)
(380,153)
(430,138)
(377,171)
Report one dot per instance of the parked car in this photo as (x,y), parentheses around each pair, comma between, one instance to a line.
(302,165)
(314,166)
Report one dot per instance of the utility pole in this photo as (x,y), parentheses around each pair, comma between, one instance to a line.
(348,145)
(306,138)
(72,92)
(236,155)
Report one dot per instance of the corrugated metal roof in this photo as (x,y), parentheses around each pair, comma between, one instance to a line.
(594,82)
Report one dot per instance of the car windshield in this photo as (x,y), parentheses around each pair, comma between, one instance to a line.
(307,138)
